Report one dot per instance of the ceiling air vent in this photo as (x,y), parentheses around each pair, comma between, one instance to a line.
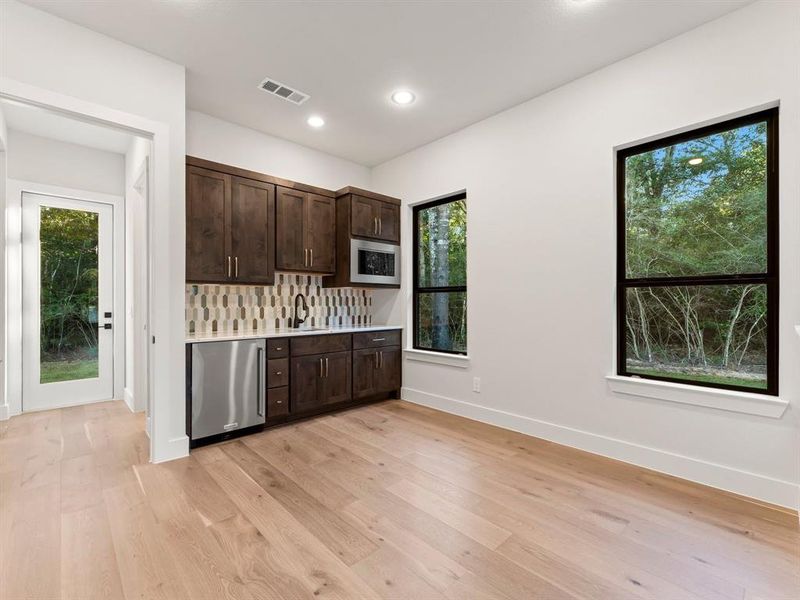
(276,88)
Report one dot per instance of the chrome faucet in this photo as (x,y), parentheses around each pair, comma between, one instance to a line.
(297,320)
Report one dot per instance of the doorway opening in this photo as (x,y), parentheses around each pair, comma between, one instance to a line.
(78,268)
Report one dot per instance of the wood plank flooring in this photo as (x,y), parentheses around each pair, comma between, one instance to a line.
(389,501)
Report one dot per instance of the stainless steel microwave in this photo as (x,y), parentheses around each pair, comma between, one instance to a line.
(375,263)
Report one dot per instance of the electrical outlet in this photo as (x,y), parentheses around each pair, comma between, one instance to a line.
(476,385)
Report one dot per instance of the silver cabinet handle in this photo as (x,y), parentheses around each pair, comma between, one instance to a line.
(311,254)
(236,267)
(379,339)
(305,257)
(375,225)
(278,372)
(321,372)
(279,348)
(229,267)
(327,368)
(380,226)
(260,395)
(278,401)
(376,360)
(381,359)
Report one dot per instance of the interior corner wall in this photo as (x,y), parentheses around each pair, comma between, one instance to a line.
(540,181)
(224,142)
(72,62)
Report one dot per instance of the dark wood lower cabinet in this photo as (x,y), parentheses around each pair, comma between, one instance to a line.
(376,371)
(319,380)
(315,374)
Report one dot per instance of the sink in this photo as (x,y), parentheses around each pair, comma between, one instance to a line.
(301,329)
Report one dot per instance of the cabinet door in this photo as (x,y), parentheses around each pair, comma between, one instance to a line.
(390,371)
(388,221)
(363,215)
(321,233)
(208,216)
(290,227)
(365,368)
(306,382)
(252,230)
(337,383)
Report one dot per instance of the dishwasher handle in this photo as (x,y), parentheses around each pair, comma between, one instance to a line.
(261,388)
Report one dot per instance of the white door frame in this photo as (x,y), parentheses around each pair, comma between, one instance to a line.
(168,438)
(118,281)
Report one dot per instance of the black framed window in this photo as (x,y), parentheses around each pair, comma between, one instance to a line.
(697,256)
(440,275)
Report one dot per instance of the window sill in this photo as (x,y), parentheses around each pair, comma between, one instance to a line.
(439,358)
(732,401)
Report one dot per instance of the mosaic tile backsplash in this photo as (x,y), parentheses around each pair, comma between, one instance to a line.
(213,307)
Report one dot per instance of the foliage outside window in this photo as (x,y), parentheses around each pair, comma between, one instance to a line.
(440,275)
(697,256)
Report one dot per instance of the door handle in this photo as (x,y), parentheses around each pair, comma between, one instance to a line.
(229,267)
(381,354)
(104,326)
(305,257)
(320,369)
(327,371)
(236,267)
(311,255)
(380,226)
(376,360)
(375,225)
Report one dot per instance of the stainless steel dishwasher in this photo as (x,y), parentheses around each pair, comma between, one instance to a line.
(228,386)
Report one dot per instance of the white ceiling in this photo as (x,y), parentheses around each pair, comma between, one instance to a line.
(47,124)
(465,60)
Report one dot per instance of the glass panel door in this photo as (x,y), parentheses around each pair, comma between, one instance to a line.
(67,301)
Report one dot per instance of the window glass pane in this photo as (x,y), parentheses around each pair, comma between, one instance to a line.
(68,331)
(442,321)
(710,334)
(442,247)
(698,207)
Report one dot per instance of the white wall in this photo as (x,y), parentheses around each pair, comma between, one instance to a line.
(541,253)
(73,66)
(3,329)
(136,185)
(52,162)
(213,139)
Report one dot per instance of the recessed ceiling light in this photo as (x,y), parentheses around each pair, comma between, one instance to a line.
(403,97)
(315,121)
(695,161)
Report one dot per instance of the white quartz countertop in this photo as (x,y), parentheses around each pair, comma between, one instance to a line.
(227,336)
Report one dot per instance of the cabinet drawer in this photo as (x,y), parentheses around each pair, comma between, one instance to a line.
(277,348)
(376,339)
(320,344)
(278,402)
(277,372)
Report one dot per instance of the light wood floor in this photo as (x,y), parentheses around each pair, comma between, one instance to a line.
(386,501)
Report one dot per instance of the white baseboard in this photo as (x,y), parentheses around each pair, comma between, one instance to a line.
(767,489)
(128,397)
(176,448)
(5,413)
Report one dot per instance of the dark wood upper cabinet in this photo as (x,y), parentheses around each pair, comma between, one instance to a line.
(253,230)
(291,252)
(306,231)
(321,231)
(207,225)
(363,220)
(229,228)
(374,218)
